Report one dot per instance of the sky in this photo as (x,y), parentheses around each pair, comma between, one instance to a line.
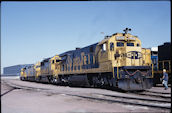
(32,31)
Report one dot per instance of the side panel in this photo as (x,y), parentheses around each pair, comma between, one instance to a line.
(146,55)
(45,68)
(83,61)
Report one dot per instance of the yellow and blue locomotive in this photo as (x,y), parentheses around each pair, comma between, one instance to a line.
(116,61)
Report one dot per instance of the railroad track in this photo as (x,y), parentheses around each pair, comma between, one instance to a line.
(132,101)
(138,98)
(158,92)
(154,94)
(128,100)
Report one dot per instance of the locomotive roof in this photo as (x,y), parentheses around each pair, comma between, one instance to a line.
(66,53)
(46,59)
(71,51)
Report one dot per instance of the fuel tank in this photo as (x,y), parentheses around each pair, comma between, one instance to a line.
(78,80)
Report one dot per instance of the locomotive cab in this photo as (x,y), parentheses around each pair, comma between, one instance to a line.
(55,68)
(22,74)
(131,64)
(37,68)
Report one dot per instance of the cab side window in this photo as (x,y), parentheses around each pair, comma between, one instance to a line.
(103,47)
(120,44)
(111,46)
(57,60)
(138,44)
(42,63)
(52,61)
(130,44)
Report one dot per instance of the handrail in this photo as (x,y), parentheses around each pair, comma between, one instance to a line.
(165,61)
(169,64)
(136,72)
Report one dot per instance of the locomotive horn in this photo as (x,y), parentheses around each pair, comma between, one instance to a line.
(126,30)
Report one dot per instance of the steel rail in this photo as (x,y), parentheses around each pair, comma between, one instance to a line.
(96,98)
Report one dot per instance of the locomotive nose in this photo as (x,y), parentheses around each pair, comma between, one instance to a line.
(133,58)
(135,78)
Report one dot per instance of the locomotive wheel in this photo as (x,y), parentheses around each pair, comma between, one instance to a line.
(37,79)
(54,80)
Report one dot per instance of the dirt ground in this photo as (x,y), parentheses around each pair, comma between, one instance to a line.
(30,101)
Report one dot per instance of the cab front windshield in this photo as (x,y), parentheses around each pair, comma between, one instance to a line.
(122,44)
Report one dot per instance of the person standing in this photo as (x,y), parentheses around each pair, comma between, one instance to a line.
(165,79)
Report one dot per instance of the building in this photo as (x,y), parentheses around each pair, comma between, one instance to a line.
(13,70)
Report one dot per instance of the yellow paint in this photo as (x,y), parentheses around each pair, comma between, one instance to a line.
(117,70)
(113,73)
(55,64)
(146,53)
(104,55)
(22,72)
(152,71)
(37,68)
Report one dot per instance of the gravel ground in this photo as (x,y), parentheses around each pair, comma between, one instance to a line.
(31,101)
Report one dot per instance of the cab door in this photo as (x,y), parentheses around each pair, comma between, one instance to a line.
(55,66)
(103,53)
